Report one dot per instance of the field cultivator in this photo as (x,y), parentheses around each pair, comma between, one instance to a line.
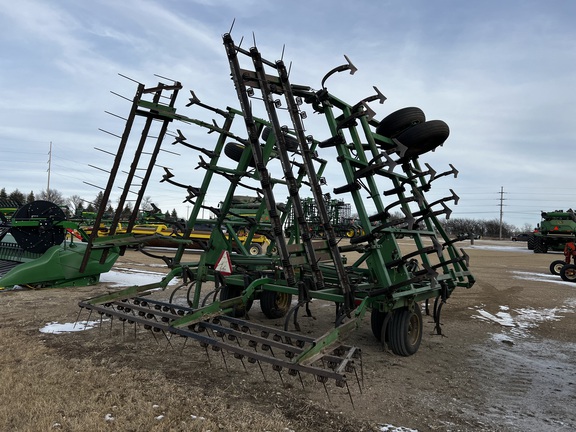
(38,250)
(264,150)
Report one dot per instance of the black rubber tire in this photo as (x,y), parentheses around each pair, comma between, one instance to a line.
(424,137)
(275,304)
(228,292)
(568,273)
(291,142)
(376,323)
(530,242)
(404,331)
(539,246)
(255,249)
(397,122)
(235,151)
(556,266)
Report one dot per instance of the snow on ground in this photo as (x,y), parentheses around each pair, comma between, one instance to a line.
(126,277)
(119,277)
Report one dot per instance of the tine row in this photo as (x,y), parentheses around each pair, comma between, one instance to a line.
(245,340)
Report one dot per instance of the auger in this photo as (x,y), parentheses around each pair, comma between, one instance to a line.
(275,157)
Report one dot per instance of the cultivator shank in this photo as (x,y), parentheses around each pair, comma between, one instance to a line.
(401,254)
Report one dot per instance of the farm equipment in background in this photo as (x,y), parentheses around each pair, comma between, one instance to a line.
(554,231)
(339,215)
(271,155)
(37,251)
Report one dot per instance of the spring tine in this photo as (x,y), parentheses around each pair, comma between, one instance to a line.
(262,370)
(350,395)
(243,365)
(88,319)
(155,338)
(123,329)
(111,323)
(168,339)
(326,390)
(357,380)
(301,380)
(77,317)
(100,326)
(224,359)
(183,345)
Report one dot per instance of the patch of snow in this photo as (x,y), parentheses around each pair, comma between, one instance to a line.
(523,319)
(540,277)
(390,428)
(109,418)
(160,417)
(121,277)
(58,328)
(499,248)
(197,417)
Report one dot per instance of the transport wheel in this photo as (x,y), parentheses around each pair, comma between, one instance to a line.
(351,233)
(405,330)
(424,137)
(397,122)
(228,292)
(568,273)
(275,304)
(291,142)
(235,151)
(556,266)
(377,322)
(255,249)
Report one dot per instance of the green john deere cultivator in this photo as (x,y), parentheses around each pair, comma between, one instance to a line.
(37,249)
(393,267)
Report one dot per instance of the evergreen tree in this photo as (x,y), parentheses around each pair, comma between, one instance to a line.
(30,198)
(174,214)
(17,196)
(3,194)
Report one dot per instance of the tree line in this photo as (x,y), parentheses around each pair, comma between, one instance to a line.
(74,206)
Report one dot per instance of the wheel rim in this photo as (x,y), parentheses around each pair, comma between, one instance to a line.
(282,301)
(414,329)
(570,274)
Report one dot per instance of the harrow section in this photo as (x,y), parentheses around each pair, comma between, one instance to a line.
(402,256)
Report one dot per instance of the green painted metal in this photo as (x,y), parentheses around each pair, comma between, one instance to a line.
(401,261)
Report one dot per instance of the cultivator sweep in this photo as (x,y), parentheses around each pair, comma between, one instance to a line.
(264,150)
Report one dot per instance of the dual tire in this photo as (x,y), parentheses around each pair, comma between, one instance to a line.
(401,329)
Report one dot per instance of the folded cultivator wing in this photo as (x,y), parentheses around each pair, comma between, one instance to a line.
(402,256)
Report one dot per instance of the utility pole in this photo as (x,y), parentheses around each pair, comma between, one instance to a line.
(49,167)
(501,210)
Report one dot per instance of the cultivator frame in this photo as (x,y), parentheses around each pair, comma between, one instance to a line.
(384,280)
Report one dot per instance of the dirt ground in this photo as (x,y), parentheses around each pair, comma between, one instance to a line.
(506,362)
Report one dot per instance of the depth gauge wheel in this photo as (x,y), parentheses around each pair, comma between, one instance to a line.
(275,304)
(404,330)
(556,266)
(568,273)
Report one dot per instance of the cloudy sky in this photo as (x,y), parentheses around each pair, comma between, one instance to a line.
(500,73)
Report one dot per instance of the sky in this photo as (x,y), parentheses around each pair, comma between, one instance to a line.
(499,73)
